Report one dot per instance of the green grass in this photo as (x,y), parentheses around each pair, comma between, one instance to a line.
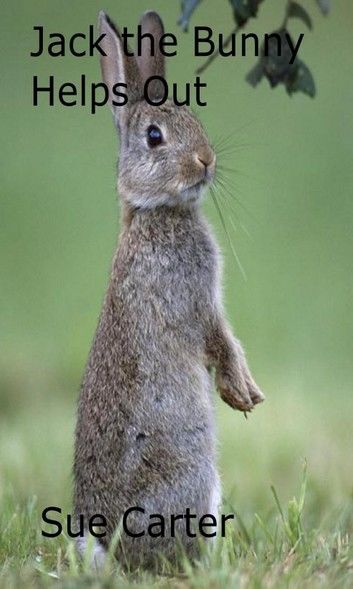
(287,533)
(276,552)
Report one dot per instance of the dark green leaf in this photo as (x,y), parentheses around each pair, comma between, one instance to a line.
(277,67)
(297,11)
(244,9)
(324,5)
(187,8)
(256,74)
(301,80)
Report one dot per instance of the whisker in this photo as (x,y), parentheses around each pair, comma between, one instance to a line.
(229,150)
(223,182)
(235,213)
(236,257)
(221,186)
(231,191)
(230,142)
(236,170)
(234,132)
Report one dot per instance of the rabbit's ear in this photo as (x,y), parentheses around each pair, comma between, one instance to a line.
(117,67)
(152,65)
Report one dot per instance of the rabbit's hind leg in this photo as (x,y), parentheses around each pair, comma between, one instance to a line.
(215,498)
(93,552)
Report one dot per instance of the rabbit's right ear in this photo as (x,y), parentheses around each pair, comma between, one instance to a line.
(117,67)
(152,65)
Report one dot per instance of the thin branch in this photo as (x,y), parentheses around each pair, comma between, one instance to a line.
(216,53)
(286,16)
(213,56)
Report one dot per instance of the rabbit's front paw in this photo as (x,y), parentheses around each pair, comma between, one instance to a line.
(255,394)
(234,392)
(242,394)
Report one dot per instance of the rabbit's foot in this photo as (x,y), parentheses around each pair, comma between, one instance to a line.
(93,552)
(256,395)
(241,394)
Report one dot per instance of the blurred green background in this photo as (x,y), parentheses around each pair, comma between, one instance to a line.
(292,178)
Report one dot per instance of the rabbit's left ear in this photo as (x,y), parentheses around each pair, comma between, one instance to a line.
(118,67)
(152,65)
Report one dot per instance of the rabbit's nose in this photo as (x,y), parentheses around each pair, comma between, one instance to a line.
(205,158)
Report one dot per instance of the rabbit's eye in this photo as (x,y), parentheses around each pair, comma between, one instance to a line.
(154,136)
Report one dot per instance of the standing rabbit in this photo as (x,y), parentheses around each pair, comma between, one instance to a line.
(145,432)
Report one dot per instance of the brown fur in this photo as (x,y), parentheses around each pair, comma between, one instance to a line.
(145,429)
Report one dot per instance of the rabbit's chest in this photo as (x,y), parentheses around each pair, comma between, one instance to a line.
(169,275)
(186,271)
(183,279)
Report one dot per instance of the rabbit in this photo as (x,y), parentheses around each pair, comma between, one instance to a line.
(145,433)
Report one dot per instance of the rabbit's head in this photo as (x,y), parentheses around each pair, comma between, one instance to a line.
(165,155)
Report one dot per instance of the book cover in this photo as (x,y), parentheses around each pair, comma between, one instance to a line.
(176,294)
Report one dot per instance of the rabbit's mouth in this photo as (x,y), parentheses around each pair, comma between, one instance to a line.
(194,191)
